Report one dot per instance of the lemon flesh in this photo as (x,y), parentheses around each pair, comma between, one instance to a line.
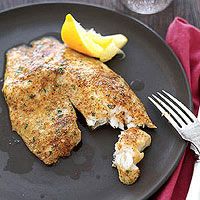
(89,42)
(118,39)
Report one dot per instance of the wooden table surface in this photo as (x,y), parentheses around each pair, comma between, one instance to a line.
(188,9)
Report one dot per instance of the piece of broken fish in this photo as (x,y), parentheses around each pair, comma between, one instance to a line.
(128,152)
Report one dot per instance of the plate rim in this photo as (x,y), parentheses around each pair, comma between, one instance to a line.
(164,179)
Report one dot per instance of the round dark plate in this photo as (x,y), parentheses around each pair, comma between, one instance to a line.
(149,66)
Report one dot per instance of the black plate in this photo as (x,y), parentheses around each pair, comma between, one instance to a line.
(87,174)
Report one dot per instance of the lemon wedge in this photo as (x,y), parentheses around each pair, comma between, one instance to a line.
(89,42)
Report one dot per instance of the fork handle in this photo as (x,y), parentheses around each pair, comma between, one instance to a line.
(194,190)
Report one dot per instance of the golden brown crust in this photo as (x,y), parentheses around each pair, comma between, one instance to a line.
(136,138)
(128,177)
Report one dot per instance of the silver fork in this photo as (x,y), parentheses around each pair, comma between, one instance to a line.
(187,125)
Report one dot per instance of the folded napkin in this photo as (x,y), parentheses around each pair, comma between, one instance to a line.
(184,39)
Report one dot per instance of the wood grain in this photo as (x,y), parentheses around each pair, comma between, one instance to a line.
(188,9)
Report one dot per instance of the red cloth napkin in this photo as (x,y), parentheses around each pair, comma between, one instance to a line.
(184,39)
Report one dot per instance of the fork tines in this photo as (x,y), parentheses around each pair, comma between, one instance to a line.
(175,112)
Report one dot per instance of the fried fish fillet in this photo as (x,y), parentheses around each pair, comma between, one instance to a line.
(40,110)
(101,95)
(128,152)
(43,80)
